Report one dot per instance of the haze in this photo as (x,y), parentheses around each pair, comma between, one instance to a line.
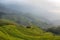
(50,9)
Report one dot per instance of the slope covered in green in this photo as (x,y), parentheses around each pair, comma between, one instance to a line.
(25,19)
(12,31)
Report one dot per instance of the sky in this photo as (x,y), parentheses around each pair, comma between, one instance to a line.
(49,9)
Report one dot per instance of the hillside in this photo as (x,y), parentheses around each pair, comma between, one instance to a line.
(24,19)
(12,31)
(11,12)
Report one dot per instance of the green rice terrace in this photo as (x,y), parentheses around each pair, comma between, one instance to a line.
(13,31)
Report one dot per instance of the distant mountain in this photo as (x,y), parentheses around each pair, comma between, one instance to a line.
(23,18)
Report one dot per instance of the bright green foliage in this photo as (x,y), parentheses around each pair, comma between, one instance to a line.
(13,31)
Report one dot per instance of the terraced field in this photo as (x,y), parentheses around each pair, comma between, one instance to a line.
(13,31)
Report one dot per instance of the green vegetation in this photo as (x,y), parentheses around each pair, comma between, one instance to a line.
(24,18)
(13,31)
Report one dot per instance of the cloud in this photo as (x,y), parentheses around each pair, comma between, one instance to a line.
(49,9)
(20,5)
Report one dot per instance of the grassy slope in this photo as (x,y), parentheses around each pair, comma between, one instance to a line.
(12,31)
(24,19)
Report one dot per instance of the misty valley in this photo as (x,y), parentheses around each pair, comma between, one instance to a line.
(25,20)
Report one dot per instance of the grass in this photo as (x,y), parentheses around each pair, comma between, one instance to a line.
(13,31)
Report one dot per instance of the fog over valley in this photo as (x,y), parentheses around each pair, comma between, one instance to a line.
(47,9)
